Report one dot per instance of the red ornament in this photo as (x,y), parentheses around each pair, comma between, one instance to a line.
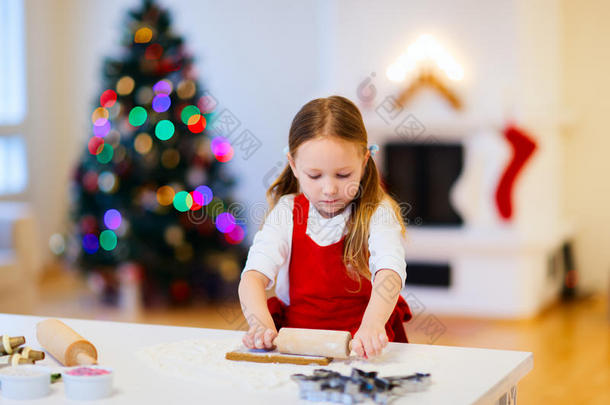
(207,104)
(153,52)
(523,147)
(206,227)
(199,161)
(130,273)
(90,181)
(88,224)
(178,112)
(185,221)
(167,66)
(123,168)
(180,290)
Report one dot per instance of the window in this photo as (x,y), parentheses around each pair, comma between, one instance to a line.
(13,99)
(13,167)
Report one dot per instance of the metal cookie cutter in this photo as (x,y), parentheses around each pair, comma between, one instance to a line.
(331,386)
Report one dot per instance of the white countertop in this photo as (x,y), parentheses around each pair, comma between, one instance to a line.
(459,375)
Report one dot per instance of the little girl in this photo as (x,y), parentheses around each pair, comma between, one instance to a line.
(331,229)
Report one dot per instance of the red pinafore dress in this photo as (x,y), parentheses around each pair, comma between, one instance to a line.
(322,295)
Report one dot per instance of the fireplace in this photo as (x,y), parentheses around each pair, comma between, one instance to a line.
(420,177)
(462,257)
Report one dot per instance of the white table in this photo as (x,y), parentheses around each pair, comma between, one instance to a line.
(461,376)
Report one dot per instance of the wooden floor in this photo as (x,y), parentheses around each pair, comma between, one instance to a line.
(570,341)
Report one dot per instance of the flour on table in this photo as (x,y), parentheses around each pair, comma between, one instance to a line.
(204,360)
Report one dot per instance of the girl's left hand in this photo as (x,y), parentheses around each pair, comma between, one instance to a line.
(370,340)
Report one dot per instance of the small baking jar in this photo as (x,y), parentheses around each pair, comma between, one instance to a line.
(87,382)
(25,381)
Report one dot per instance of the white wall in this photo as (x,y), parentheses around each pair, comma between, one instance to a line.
(50,115)
(586,87)
(480,35)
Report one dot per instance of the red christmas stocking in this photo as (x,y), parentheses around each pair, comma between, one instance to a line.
(523,147)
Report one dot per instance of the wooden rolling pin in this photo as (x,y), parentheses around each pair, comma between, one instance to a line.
(300,346)
(314,342)
(63,343)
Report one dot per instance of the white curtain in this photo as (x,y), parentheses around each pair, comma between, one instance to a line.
(12,63)
(13,167)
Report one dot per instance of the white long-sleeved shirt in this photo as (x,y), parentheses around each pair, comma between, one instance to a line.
(272,245)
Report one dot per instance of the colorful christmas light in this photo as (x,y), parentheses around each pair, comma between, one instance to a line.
(108,98)
(163,87)
(161,103)
(183,201)
(164,130)
(222,149)
(112,219)
(95,145)
(205,195)
(165,195)
(225,222)
(143,35)
(125,85)
(143,143)
(90,243)
(108,240)
(101,130)
(137,116)
(188,112)
(105,154)
(196,123)
(107,181)
(235,236)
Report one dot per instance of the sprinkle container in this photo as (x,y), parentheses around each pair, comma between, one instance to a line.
(25,381)
(87,382)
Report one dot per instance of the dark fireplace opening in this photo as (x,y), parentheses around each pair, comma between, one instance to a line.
(429,274)
(420,176)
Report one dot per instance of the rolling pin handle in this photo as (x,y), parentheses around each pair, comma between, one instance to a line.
(85,360)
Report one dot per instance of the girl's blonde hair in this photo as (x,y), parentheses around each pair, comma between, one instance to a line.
(337,116)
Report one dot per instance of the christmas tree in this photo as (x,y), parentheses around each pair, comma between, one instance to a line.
(151,191)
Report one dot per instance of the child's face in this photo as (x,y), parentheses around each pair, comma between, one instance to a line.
(329,171)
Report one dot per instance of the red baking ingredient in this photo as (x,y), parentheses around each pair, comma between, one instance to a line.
(87,371)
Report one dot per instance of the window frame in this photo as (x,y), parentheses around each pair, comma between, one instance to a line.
(17,126)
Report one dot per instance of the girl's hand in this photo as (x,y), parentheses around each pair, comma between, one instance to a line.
(370,340)
(259,337)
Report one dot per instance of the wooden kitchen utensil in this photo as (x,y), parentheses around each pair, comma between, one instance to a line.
(63,343)
(300,346)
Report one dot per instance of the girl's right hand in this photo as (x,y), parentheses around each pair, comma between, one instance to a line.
(259,337)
